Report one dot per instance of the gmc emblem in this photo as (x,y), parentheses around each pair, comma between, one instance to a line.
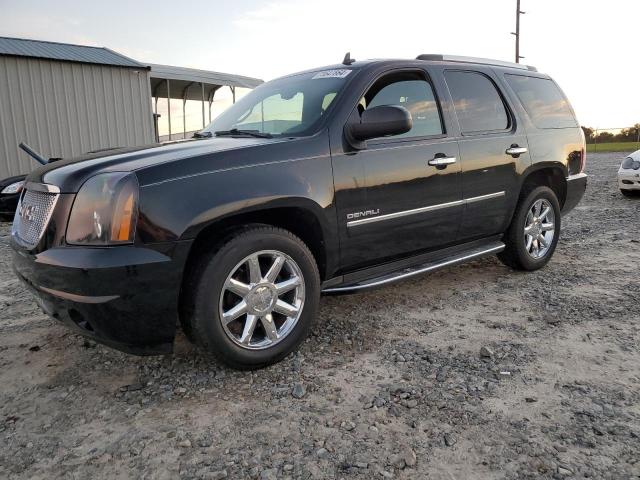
(28,212)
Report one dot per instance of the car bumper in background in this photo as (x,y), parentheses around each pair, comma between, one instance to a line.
(629,180)
(576,186)
(125,297)
(8,205)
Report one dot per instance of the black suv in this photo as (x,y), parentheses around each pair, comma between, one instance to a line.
(331,180)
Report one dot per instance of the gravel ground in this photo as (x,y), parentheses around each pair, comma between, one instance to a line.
(475,371)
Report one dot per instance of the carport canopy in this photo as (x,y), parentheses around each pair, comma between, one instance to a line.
(192,84)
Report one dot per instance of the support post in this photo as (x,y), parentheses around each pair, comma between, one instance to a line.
(233,92)
(169,106)
(202,91)
(184,117)
(517,32)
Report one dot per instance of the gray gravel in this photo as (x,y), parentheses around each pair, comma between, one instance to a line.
(476,371)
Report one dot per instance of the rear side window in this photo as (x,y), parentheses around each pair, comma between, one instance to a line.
(543,101)
(478,104)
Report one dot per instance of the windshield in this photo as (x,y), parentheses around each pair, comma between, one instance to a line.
(291,106)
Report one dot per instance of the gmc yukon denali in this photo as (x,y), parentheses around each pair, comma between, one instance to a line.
(332,180)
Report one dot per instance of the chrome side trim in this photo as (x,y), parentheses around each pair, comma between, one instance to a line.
(576,176)
(41,187)
(404,213)
(77,298)
(430,208)
(429,268)
(485,197)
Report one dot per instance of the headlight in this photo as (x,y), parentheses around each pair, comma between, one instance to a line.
(14,187)
(629,163)
(105,210)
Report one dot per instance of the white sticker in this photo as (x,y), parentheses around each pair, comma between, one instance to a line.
(332,74)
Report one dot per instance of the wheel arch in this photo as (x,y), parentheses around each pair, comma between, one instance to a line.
(300,218)
(552,175)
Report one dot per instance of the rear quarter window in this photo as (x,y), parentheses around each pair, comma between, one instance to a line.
(543,101)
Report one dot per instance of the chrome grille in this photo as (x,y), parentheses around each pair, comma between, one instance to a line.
(32,216)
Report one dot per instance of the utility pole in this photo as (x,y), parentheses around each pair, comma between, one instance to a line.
(517,32)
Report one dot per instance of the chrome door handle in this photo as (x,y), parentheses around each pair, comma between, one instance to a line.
(515,150)
(442,161)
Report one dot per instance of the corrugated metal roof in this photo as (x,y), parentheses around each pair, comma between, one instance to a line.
(202,76)
(23,47)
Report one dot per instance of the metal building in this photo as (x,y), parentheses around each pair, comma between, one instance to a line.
(66,100)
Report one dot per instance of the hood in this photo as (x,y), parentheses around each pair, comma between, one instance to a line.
(70,174)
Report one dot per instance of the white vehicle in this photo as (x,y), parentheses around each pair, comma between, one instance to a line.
(629,175)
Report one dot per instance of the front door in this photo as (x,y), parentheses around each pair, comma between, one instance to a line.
(400,195)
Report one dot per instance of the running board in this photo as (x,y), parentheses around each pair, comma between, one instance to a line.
(461,257)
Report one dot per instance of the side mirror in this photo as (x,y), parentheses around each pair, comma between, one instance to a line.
(382,121)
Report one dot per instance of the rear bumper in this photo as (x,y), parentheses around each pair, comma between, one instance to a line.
(125,297)
(576,186)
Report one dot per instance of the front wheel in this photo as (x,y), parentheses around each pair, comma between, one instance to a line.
(534,231)
(628,193)
(254,299)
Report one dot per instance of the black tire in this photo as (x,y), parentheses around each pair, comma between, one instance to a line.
(515,254)
(201,317)
(628,193)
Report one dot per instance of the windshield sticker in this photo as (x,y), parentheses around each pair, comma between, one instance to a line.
(332,74)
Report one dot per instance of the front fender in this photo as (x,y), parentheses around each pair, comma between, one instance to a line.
(179,209)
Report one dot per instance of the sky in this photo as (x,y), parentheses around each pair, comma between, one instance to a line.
(590,48)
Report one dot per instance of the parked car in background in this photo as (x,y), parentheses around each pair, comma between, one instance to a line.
(629,175)
(10,189)
(332,180)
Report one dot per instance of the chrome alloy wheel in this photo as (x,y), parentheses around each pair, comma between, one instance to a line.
(262,299)
(539,229)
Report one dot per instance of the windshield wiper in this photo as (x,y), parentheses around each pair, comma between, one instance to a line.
(204,134)
(251,133)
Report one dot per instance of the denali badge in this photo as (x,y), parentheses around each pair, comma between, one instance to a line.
(28,212)
(366,213)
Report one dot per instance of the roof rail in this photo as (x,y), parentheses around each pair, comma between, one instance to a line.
(486,61)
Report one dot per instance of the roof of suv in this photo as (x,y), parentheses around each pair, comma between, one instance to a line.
(430,58)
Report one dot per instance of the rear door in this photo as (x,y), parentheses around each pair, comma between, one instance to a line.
(493,150)
(392,199)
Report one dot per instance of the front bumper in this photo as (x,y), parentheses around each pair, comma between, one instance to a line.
(576,186)
(629,179)
(125,297)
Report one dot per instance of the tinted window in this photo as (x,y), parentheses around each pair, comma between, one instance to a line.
(478,104)
(412,92)
(544,102)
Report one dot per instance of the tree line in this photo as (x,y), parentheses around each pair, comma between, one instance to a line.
(631,134)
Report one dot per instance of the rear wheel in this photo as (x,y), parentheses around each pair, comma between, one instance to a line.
(255,298)
(534,231)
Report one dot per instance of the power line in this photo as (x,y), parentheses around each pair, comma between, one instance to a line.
(517,32)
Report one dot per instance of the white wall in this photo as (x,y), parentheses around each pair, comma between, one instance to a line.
(65,109)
